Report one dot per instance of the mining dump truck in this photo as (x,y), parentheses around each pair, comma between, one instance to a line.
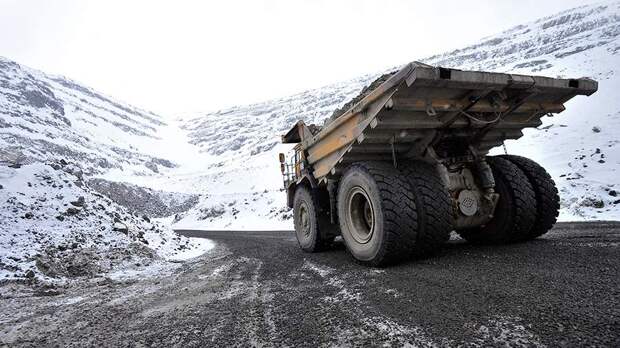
(405,163)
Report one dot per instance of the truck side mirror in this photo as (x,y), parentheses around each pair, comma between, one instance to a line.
(282,168)
(282,158)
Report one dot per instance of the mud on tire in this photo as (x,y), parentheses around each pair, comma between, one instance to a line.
(377,213)
(547,198)
(310,224)
(515,212)
(434,207)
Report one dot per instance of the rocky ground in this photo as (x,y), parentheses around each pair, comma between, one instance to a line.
(258,289)
(55,228)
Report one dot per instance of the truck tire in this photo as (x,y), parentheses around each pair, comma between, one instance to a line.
(308,222)
(547,198)
(377,213)
(515,212)
(434,207)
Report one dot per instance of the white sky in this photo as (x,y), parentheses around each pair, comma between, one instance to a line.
(180,56)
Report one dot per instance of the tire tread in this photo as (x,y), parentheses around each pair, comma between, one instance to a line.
(547,197)
(434,207)
(521,207)
(399,208)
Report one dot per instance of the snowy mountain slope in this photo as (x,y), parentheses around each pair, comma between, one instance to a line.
(579,42)
(539,45)
(45,117)
(55,222)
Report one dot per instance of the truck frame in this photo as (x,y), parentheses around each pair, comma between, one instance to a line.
(407,162)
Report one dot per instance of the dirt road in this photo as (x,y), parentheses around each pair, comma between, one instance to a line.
(259,289)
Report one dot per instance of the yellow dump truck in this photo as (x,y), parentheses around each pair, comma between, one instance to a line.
(406,162)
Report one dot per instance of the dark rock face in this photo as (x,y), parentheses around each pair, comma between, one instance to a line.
(211,212)
(163,162)
(120,227)
(144,201)
(73,261)
(72,211)
(29,91)
(152,166)
(79,202)
(39,100)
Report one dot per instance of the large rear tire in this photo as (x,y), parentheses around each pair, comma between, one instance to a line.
(547,198)
(377,213)
(515,212)
(434,207)
(310,224)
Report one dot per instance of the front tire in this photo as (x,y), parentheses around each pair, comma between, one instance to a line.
(309,222)
(377,214)
(515,212)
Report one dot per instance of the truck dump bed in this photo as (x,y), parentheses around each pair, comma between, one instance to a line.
(421,107)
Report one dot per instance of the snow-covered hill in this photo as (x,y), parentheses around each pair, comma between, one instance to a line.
(55,137)
(579,146)
(44,117)
(221,167)
(54,226)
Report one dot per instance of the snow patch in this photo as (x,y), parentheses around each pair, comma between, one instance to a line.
(55,227)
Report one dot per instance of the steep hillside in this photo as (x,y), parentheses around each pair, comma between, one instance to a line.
(579,146)
(55,137)
(46,117)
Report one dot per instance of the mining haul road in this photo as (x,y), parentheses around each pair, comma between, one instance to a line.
(259,289)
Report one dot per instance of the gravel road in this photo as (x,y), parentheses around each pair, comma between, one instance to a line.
(259,289)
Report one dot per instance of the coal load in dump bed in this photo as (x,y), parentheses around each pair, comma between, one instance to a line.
(371,87)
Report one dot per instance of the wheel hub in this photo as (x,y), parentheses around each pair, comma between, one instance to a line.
(468,203)
(360,215)
(304,218)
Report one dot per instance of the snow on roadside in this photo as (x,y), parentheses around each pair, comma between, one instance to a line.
(53,226)
(257,211)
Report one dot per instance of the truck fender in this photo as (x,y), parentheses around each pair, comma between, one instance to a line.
(290,190)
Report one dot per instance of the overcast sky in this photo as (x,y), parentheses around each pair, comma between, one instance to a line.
(179,56)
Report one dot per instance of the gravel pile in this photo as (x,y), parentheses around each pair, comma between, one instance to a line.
(144,201)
